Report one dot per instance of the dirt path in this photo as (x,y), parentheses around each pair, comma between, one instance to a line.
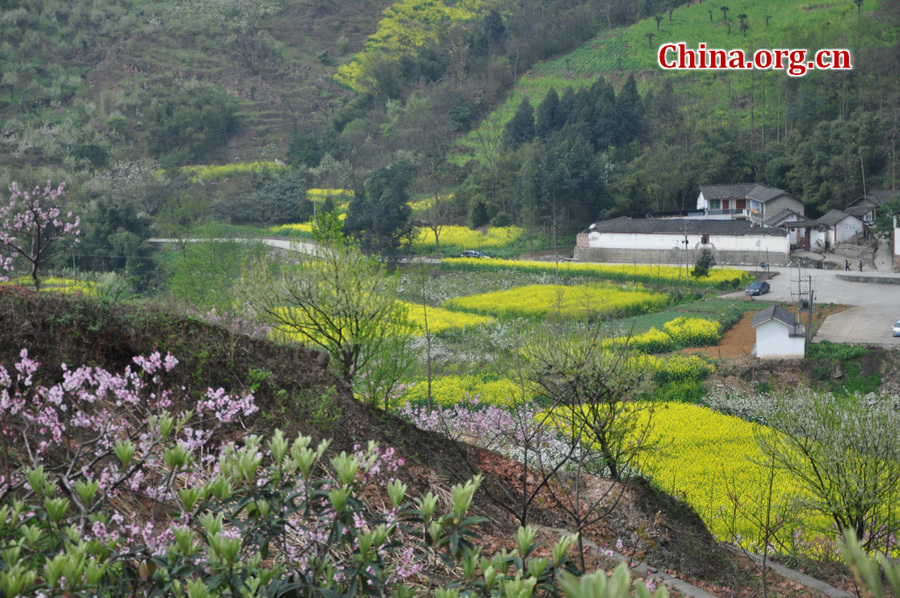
(737,341)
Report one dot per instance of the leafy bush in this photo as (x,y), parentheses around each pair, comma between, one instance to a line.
(838,351)
(681,368)
(279,201)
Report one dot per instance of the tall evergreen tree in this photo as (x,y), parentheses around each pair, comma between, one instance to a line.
(548,120)
(520,128)
(379,216)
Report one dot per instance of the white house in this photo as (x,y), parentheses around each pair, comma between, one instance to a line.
(840,227)
(866,206)
(676,240)
(784,218)
(746,201)
(778,334)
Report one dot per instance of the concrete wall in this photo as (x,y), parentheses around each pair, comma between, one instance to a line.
(781,203)
(740,243)
(773,342)
(669,248)
(676,256)
(819,239)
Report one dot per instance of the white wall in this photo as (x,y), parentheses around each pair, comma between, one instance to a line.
(817,238)
(772,243)
(896,238)
(773,342)
(702,204)
(847,229)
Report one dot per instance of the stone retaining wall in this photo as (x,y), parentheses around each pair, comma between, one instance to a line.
(854,252)
(675,256)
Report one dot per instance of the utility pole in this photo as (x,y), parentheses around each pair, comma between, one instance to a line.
(687,278)
(809,320)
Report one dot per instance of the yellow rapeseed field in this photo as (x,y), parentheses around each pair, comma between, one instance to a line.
(447,391)
(58,285)
(440,319)
(536,301)
(463,237)
(706,457)
(636,273)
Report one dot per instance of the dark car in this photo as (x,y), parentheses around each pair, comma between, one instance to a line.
(758,288)
(473,253)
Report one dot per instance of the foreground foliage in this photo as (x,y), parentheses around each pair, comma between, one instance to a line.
(218,519)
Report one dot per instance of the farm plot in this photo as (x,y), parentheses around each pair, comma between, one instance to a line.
(539,301)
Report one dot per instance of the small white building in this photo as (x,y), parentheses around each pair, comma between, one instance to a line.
(778,334)
(840,227)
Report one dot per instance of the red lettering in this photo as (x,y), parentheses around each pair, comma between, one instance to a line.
(662,58)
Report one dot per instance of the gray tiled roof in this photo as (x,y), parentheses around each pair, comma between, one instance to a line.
(753,191)
(833,217)
(860,210)
(877,197)
(781,216)
(684,225)
(773,313)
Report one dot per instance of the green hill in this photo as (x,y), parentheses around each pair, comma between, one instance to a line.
(617,53)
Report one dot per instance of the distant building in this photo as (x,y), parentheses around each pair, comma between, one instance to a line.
(826,232)
(840,227)
(677,241)
(866,207)
(746,201)
(778,334)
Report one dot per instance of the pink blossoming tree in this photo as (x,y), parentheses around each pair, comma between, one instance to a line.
(31,227)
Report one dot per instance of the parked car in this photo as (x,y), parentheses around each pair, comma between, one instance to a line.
(473,253)
(758,288)
(896,328)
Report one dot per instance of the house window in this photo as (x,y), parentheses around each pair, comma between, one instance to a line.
(715,204)
(724,204)
(741,204)
(704,239)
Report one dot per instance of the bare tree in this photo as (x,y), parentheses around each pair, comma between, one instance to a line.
(591,389)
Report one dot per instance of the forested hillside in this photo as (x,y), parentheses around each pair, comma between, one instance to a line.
(426,100)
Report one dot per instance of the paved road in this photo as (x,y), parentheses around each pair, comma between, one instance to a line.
(875,306)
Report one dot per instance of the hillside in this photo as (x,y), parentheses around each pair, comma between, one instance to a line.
(86,76)
(288,383)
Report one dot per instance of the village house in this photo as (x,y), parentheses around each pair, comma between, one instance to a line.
(778,334)
(866,206)
(824,233)
(746,201)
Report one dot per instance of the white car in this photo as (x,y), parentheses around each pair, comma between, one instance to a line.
(896,328)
